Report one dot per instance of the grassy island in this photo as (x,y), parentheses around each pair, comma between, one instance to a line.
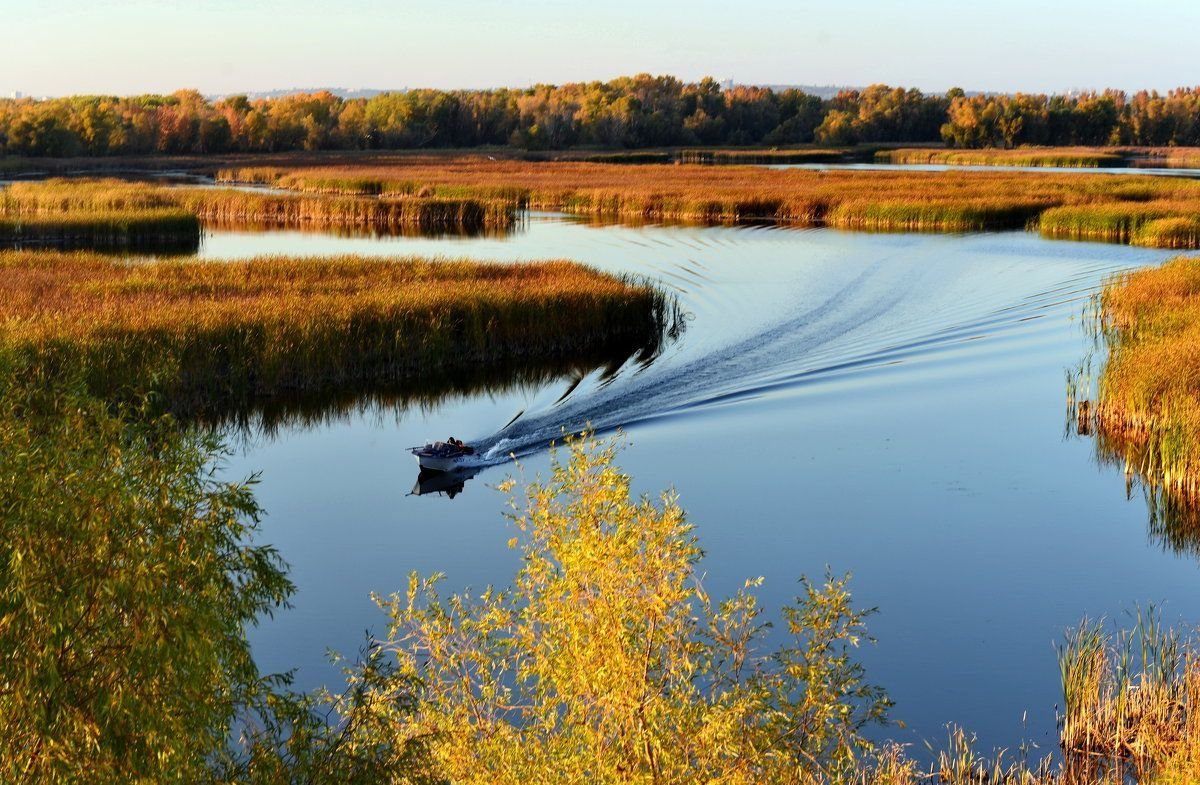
(266,326)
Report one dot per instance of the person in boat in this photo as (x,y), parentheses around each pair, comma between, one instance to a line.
(464,449)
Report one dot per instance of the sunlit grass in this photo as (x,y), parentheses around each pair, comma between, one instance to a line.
(274,324)
(472,194)
(1131,703)
(1063,157)
(227,205)
(1090,207)
(1148,405)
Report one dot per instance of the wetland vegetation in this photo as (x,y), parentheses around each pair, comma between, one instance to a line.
(102,203)
(163,229)
(1059,157)
(1147,405)
(130,580)
(1153,212)
(606,659)
(217,335)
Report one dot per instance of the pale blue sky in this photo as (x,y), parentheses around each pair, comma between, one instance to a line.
(56,47)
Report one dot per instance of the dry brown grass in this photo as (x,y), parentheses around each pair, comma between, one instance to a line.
(1148,406)
(937,201)
(106,197)
(270,324)
(1061,157)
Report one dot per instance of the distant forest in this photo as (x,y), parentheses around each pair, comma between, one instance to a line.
(630,112)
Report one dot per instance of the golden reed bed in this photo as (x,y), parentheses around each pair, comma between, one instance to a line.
(1097,207)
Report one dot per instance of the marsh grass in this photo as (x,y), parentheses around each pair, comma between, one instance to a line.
(465,194)
(219,335)
(422,213)
(1130,716)
(1131,700)
(1119,222)
(1058,157)
(1116,209)
(362,230)
(1146,412)
(106,198)
(1153,224)
(932,216)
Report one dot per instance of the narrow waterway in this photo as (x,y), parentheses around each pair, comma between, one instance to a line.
(886,404)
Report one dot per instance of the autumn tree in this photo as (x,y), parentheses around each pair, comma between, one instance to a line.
(128,581)
(607,661)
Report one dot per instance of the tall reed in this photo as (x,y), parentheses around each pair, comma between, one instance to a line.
(110,197)
(1147,410)
(1060,157)
(882,200)
(240,331)
(1131,701)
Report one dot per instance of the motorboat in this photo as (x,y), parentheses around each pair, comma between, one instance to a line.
(448,456)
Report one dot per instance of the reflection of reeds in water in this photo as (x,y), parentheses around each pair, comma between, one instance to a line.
(167,229)
(383,397)
(1173,516)
(635,157)
(369,231)
(768,157)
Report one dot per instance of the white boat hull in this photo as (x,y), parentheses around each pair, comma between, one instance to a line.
(448,464)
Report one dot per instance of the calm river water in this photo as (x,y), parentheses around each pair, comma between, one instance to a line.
(886,404)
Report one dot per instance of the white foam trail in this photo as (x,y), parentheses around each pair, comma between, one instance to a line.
(500,450)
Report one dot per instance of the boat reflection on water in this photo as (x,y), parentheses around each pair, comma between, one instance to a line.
(448,484)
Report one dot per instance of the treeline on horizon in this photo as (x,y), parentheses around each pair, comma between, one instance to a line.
(630,112)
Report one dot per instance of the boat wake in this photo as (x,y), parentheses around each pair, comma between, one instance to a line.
(852,326)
